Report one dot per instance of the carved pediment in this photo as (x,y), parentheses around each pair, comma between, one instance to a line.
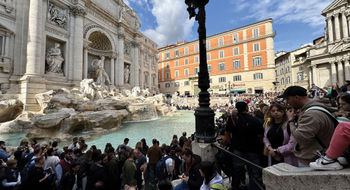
(340,47)
(334,5)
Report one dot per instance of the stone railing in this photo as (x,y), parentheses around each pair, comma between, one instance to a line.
(284,176)
(5,64)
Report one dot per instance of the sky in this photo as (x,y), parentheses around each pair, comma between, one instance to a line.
(296,22)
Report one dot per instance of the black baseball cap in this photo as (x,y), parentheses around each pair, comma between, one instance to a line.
(294,91)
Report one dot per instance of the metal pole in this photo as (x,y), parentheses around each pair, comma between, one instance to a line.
(205,129)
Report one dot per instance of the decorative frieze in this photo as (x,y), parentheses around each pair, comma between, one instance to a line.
(57,16)
(77,11)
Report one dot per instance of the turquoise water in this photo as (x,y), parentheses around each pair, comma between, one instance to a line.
(162,129)
(12,139)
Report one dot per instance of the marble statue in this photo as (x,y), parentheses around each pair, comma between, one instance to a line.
(56,15)
(54,59)
(126,74)
(121,13)
(102,76)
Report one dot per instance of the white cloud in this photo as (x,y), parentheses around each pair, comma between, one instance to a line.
(172,22)
(285,11)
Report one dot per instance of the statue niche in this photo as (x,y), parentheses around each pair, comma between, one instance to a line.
(54,59)
(126,74)
(101,75)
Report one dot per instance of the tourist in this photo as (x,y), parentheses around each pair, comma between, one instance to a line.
(339,143)
(112,170)
(140,162)
(191,179)
(38,179)
(277,137)
(165,185)
(74,145)
(3,154)
(51,161)
(212,180)
(124,146)
(57,150)
(144,146)
(65,165)
(72,179)
(165,166)
(313,129)
(245,134)
(154,154)
(13,177)
(129,170)
(174,142)
(97,175)
(182,139)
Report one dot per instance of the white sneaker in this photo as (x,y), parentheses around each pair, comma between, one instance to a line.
(325,164)
(343,161)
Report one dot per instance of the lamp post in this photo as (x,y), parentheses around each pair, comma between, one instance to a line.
(205,129)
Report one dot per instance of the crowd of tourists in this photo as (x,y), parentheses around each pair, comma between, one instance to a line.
(303,128)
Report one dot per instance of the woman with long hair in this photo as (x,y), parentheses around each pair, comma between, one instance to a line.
(212,180)
(277,137)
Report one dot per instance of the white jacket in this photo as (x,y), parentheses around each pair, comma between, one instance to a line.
(216,180)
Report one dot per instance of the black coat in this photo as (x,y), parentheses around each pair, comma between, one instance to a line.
(195,179)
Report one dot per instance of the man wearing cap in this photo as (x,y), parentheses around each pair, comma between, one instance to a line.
(312,129)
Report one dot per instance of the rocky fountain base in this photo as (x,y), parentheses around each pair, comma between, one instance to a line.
(92,109)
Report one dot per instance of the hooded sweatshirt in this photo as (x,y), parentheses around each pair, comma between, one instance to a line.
(216,180)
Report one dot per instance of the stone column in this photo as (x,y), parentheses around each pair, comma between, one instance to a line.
(314,75)
(86,63)
(333,73)
(310,76)
(121,59)
(330,29)
(340,73)
(337,26)
(347,69)
(142,67)
(136,64)
(78,12)
(35,37)
(345,26)
(112,70)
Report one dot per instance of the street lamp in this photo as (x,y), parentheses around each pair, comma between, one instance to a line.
(205,129)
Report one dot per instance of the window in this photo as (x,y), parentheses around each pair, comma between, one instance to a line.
(276,73)
(221,42)
(236,51)
(208,56)
(177,84)
(177,53)
(288,80)
(236,64)
(300,68)
(167,55)
(235,38)
(186,83)
(287,70)
(258,76)
(300,76)
(257,47)
(196,59)
(167,75)
(167,65)
(196,70)
(237,78)
(196,48)
(208,44)
(153,80)
(221,66)
(209,68)
(221,54)
(256,32)
(222,79)
(186,50)
(282,71)
(186,61)
(282,81)
(176,73)
(176,63)
(186,72)
(167,85)
(257,61)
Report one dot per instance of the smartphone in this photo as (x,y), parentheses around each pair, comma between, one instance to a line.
(48,171)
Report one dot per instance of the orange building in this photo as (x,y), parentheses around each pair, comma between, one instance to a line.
(239,60)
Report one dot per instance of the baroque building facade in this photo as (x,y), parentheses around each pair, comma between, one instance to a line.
(53,44)
(329,60)
(239,61)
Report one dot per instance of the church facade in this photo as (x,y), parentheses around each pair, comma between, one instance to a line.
(53,44)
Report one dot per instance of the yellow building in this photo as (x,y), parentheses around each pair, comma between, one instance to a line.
(239,60)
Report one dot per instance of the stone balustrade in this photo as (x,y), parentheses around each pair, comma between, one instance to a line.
(284,176)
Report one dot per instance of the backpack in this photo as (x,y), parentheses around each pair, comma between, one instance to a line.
(217,187)
(161,171)
(25,171)
(337,119)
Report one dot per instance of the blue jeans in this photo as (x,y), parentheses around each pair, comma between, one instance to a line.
(182,186)
(254,173)
(302,165)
